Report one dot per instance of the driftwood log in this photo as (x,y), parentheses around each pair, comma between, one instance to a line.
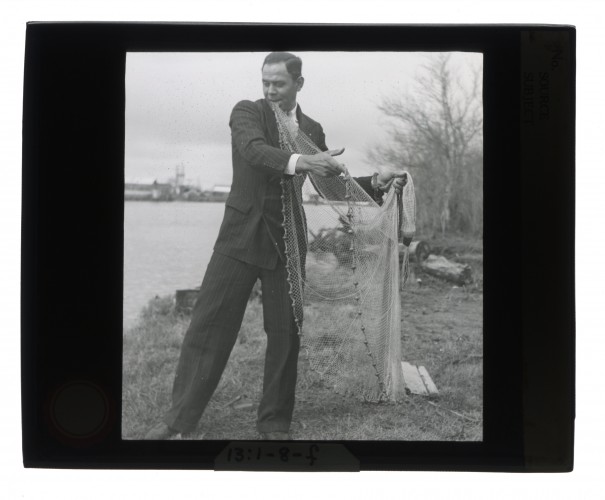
(419,251)
(185,299)
(440,267)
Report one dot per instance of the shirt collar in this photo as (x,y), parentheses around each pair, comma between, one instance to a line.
(293,111)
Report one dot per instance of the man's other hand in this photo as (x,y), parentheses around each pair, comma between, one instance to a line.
(335,152)
(321,164)
(397,180)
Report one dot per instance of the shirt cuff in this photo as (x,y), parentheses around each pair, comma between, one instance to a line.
(291,168)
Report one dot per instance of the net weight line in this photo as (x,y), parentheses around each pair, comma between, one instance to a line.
(383,394)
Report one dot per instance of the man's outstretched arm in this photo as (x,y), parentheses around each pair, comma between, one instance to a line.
(249,138)
(322,164)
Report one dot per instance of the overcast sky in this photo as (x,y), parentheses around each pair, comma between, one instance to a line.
(178,105)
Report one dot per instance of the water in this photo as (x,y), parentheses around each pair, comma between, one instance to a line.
(167,246)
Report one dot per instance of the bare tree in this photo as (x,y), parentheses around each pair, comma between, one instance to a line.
(436,133)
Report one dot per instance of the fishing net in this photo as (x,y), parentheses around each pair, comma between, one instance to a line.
(343,262)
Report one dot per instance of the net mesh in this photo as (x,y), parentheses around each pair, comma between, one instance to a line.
(342,257)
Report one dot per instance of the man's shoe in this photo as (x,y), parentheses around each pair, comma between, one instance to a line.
(275,436)
(161,431)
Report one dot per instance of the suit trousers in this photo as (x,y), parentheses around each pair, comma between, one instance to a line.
(215,323)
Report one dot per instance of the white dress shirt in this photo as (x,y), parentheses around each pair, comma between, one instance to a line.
(291,168)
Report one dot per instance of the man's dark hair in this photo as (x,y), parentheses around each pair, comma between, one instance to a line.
(293,63)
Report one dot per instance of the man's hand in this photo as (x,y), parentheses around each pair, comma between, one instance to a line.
(386,179)
(321,164)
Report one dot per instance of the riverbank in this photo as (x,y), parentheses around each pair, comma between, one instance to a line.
(441,330)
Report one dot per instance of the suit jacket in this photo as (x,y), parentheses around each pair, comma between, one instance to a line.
(252,230)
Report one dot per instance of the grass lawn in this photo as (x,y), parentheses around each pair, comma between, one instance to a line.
(441,330)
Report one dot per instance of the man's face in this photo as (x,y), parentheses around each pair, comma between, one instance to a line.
(279,86)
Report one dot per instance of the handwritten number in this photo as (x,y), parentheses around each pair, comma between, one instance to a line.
(239,454)
(311,456)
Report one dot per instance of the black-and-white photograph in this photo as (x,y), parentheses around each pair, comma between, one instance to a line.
(303,246)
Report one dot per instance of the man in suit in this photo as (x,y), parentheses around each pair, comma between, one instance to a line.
(250,246)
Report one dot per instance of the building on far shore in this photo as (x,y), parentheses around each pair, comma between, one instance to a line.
(147,189)
(218,193)
(152,190)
